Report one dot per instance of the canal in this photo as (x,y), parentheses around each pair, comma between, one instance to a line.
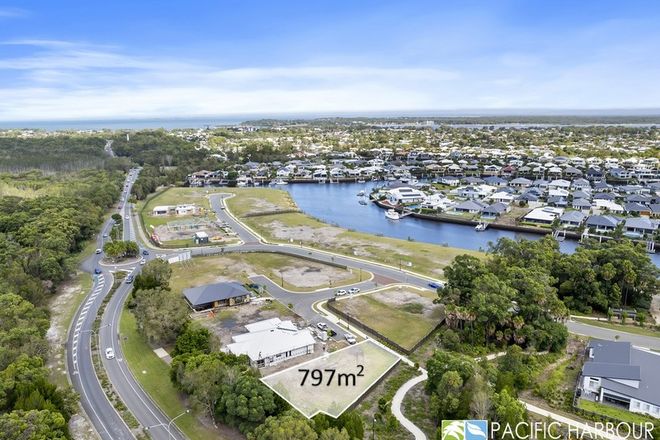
(337,204)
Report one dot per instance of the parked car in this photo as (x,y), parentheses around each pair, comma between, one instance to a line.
(143,262)
(350,338)
(127,218)
(332,333)
(98,271)
(98,251)
(129,279)
(341,292)
(434,285)
(322,326)
(353,290)
(109,353)
(145,252)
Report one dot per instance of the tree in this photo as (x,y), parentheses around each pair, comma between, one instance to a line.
(33,425)
(193,339)
(116,218)
(445,402)
(156,273)
(114,249)
(352,423)
(334,434)
(508,411)
(245,402)
(286,426)
(160,314)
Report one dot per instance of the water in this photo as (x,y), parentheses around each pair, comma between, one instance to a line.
(337,204)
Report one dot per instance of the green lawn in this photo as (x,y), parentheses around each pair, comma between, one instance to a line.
(205,270)
(153,375)
(397,323)
(614,413)
(624,328)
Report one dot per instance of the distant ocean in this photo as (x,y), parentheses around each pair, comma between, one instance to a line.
(127,124)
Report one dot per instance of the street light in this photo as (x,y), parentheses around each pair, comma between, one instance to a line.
(373,429)
(170,424)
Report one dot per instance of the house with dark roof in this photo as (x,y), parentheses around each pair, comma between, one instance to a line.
(581,184)
(638,227)
(572,219)
(495,181)
(470,206)
(579,194)
(655,210)
(616,373)
(603,223)
(494,210)
(215,295)
(520,182)
(581,204)
(636,208)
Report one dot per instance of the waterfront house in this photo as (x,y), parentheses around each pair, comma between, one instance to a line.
(272,341)
(603,223)
(640,227)
(543,215)
(210,296)
(470,206)
(495,210)
(405,195)
(618,374)
(572,219)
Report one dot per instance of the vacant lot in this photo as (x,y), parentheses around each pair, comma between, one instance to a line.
(295,274)
(356,369)
(424,258)
(403,314)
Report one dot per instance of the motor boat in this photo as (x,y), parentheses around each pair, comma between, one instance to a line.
(392,214)
(480,227)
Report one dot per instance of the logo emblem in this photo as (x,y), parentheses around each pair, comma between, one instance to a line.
(464,430)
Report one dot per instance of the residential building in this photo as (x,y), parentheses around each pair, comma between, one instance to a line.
(603,223)
(543,215)
(272,341)
(572,219)
(494,210)
(618,374)
(639,227)
(215,295)
(470,206)
(405,195)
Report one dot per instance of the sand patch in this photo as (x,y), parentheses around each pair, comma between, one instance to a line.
(312,275)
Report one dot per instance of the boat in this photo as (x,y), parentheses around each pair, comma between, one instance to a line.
(480,227)
(360,194)
(280,182)
(361,181)
(392,214)
(363,201)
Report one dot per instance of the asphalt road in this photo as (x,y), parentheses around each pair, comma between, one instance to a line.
(593,331)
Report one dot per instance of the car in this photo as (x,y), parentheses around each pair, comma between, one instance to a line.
(109,353)
(353,290)
(105,235)
(341,292)
(127,218)
(143,262)
(129,279)
(322,326)
(98,271)
(434,285)
(145,252)
(331,333)
(350,338)
(98,251)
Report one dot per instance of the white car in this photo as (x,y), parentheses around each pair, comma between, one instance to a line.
(322,326)
(350,338)
(98,251)
(143,262)
(341,292)
(109,353)
(127,218)
(353,290)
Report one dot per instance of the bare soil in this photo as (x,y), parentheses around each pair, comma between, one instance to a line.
(400,296)
(311,274)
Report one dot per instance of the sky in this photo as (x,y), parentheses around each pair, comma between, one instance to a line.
(121,59)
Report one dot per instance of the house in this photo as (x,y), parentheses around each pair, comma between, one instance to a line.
(215,295)
(543,215)
(201,237)
(161,210)
(607,205)
(520,182)
(405,195)
(495,181)
(655,210)
(450,180)
(581,204)
(581,184)
(502,197)
(572,219)
(580,194)
(603,223)
(618,374)
(604,196)
(272,341)
(494,210)
(636,208)
(559,184)
(470,206)
(475,192)
(186,209)
(640,227)
(560,201)
(621,173)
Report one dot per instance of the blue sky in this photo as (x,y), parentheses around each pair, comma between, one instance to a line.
(133,59)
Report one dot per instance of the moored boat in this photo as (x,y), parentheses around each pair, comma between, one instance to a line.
(392,214)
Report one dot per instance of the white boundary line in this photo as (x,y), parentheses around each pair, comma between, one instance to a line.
(387,370)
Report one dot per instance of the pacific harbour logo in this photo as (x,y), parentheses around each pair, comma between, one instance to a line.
(464,430)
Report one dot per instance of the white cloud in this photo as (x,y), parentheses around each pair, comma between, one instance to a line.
(6,12)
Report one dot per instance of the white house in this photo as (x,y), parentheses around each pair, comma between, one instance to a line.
(619,374)
(272,341)
(405,195)
(161,210)
(543,214)
(501,197)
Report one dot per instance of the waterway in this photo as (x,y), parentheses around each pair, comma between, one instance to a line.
(337,204)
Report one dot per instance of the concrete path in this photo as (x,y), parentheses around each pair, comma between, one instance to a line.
(398,400)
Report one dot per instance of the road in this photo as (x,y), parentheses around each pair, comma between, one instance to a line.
(593,331)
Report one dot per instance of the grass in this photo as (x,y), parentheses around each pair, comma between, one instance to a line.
(612,412)
(624,328)
(395,323)
(153,374)
(204,270)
